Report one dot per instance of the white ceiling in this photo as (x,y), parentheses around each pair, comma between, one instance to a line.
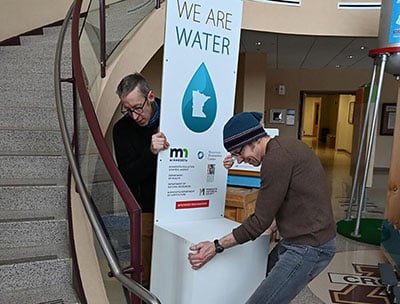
(310,52)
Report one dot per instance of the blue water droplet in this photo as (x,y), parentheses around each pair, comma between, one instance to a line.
(199,104)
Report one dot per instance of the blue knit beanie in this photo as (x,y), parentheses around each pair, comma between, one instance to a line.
(242,129)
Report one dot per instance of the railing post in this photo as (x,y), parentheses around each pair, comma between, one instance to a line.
(136,254)
(102,16)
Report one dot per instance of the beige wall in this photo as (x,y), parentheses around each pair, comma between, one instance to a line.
(17,17)
(253,81)
(314,17)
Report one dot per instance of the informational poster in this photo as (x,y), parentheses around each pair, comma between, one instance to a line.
(394,35)
(198,88)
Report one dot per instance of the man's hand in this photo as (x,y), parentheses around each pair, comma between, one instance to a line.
(272,228)
(228,161)
(205,252)
(158,143)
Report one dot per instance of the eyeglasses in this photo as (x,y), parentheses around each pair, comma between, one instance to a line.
(236,154)
(137,109)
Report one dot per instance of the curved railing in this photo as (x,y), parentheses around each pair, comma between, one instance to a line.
(98,181)
(108,26)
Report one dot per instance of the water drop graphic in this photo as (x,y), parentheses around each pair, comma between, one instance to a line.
(199,104)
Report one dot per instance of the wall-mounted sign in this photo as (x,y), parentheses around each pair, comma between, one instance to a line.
(290,117)
(388,118)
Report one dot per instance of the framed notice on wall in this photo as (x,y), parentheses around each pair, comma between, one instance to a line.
(290,117)
(388,118)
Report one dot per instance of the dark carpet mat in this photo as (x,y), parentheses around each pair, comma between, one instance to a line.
(370,230)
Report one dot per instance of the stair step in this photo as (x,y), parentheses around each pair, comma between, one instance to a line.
(10,256)
(33,197)
(27,100)
(49,33)
(27,215)
(19,56)
(43,45)
(28,232)
(49,38)
(32,168)
(55,294)
(35,88)
(25,142)
(20,65)
(38,272)
(16,58)
(31,118)
(34,66)
(53,31)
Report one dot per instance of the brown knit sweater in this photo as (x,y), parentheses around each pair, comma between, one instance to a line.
(295,192)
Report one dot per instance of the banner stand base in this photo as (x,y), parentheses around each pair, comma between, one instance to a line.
(230,277)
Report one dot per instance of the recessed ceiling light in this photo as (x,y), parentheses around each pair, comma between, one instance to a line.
(362,47)
(350,56)
(258,43)
(337,66)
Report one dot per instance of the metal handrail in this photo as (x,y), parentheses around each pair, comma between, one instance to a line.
(130,284)
(102,16)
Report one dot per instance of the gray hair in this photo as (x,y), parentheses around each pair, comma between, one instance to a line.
(130,82)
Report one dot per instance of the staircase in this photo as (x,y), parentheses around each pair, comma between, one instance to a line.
(35,258)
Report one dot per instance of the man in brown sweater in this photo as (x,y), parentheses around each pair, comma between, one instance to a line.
(294,197)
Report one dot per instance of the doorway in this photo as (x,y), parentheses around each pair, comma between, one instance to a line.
(324,119)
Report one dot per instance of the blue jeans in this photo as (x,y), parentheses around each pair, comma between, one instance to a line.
(290,268)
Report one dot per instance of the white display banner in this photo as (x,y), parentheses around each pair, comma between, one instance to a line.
(198,90)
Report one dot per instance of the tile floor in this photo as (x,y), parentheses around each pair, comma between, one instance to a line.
(352,276)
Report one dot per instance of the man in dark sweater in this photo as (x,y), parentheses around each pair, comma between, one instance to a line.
(136,143)
(294,197)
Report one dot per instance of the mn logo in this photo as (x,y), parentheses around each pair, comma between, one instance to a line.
(199,104)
